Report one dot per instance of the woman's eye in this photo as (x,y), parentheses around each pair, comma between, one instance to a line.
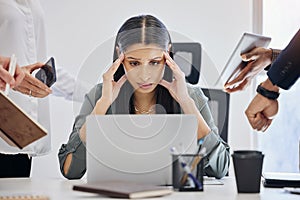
(134,63)
(154,62)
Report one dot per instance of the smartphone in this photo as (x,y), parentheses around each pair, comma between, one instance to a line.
(168,73)
(47,73)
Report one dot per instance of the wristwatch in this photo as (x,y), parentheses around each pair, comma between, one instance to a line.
(267,93)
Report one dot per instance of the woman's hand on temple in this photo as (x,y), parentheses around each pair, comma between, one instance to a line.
(111,88)
(177,87)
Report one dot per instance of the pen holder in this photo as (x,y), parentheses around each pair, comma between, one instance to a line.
(180,179)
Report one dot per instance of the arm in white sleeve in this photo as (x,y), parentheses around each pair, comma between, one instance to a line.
(69,87)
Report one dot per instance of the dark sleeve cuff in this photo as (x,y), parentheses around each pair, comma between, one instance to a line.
(275,54)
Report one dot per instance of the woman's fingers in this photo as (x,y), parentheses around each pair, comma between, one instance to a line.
(31,92)
(177,72)
(36,83)
(170,62)
(19,76)
(165,84)
(31,68)
(2,84)
(109,74)
(121,81)
(32,86)
(116,64)
(5,76)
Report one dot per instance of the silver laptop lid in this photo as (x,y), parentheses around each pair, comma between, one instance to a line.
(137,147)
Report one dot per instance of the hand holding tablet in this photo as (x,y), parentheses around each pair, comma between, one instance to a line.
(235,63)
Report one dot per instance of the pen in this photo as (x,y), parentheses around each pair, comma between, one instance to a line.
(190,177)
(11,70)
(194,163)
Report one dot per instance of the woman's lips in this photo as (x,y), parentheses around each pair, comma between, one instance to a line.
(145,85)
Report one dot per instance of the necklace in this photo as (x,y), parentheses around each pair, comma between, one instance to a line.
(141,110)
(144,111)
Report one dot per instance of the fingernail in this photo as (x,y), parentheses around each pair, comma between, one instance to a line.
(244,57)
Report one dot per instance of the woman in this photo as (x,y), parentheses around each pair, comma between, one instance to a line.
(135,84)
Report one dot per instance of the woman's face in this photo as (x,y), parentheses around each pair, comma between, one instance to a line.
(144,66)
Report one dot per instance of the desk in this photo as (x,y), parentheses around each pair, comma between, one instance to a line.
(59,189)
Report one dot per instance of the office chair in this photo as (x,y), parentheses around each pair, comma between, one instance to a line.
(188,57)
(218,102)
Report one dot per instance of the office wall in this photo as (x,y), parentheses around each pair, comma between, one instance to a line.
(76,28)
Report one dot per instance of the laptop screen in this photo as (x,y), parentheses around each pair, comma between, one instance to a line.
(137,147)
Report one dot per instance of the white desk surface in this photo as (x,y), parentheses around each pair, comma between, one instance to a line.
(59,189)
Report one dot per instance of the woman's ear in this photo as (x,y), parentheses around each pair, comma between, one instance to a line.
(169,48)
(118,51)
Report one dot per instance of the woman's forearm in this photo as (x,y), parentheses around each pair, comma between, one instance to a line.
(188,106)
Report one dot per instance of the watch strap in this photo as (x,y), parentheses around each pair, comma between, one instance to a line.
(267,93)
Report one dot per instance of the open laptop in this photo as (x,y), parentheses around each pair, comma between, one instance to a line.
(137,147)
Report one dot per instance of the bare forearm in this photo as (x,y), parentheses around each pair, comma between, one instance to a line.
(269,85)
(188,106)
(100,109)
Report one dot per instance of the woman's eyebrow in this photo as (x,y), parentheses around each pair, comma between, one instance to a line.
(156,58)
(132,58)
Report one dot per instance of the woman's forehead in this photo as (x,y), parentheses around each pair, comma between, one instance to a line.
(143,47)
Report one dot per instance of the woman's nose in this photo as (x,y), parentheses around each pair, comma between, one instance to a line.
(145,73)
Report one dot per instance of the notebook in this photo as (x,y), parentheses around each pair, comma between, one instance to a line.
(280,179)
(16,127)
(121,189)
(137,147)
(24,197)
(235,64)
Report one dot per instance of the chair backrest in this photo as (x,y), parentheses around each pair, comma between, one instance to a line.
(219,105)
(188,57)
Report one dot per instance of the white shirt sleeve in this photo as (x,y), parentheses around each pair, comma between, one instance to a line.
(69,87)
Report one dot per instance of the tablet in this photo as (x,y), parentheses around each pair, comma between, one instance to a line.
(281,179)
(235,64)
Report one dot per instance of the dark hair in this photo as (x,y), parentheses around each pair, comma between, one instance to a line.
(144,29)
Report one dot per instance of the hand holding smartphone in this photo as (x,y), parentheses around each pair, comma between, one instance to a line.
(47,73)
